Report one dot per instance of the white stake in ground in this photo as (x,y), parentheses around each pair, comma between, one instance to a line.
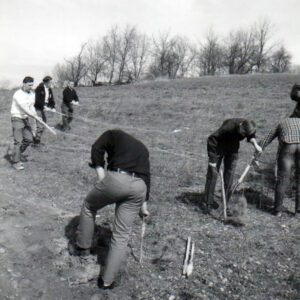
(142,238)
(223,195)
(188,260)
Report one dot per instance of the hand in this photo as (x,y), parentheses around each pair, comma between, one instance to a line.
(256,162)
(46,108)
(258,148)
(144,211)
(213,165)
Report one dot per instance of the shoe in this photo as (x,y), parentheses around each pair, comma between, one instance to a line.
(24,158)
(277,213)
(213,205)
(104,286)
(18,166)
(78,251)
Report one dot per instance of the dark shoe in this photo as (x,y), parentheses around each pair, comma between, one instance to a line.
(105,287)
(24,158)
(277,213)
(36,142)
(213,205)
(7,157)
(78,251)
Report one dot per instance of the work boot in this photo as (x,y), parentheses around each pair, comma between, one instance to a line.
(105,286)
(24,158)
(18,166)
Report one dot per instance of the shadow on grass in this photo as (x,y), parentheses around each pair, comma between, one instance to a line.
(101,239)
(193,198)
(257,198)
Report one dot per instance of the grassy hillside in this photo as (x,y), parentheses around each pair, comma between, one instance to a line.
(39,206)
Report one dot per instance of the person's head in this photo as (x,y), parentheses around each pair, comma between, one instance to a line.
(71,84)
(28,83)
(247,128)
(47,81)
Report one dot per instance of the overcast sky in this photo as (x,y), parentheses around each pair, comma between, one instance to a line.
(37,34)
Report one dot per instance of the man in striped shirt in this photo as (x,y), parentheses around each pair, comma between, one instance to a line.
(288,134)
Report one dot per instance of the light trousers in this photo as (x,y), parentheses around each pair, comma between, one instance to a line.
(128,192)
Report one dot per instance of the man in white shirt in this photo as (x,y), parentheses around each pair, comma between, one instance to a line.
(22,108)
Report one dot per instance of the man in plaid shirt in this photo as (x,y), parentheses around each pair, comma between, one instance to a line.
(288,134)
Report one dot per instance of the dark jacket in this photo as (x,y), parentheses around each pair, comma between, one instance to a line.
(226,140)
(123,152)
(40,95)
(69,95)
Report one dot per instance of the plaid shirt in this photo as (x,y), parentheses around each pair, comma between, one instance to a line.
(287,131)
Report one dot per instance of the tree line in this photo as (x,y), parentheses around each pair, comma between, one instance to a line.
(124,55)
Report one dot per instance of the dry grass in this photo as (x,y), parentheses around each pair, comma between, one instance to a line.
(173,118)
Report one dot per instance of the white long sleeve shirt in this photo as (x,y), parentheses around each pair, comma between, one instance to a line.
(26,100)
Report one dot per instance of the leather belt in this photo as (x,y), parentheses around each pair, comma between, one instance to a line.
(123,172)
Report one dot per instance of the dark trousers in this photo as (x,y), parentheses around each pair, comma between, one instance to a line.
(39,126)
(288,155)
(68,114)
(22,137)
(230,162)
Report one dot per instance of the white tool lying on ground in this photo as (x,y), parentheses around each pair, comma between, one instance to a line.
(189,256)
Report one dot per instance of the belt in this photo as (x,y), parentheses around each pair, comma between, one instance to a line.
(123,172)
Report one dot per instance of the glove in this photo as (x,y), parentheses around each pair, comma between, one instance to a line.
(75,102)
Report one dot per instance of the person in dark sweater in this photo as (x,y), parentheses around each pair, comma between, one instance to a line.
(224,144)
(44,101)
(125,183)
(295,96)
(70,98)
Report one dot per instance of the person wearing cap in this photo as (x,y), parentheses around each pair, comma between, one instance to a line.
(126,183)
(223,145)
(44,101)
(295,96)
(22,107)
(70,98)
(288,134)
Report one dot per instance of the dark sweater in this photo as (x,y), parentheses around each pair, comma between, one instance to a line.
(69,95)
(226,140)
(124,152)
(40,95)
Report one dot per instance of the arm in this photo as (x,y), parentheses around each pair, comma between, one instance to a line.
(51,102)
(99,148)
(255,145)
(269,138)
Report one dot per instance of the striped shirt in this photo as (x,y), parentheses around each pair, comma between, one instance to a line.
(287,132)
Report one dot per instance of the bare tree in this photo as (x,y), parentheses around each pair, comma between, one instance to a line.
(280,60)
(240,51)
(262,35)
(111,44)
(138,55)
(210,55)
(126,42)
(170,56)
(185,56)
(95,60)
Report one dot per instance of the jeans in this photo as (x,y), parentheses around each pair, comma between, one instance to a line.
(230,162)
(128,192)
(68,114)
(39,126)
(22,137)
(289,155)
